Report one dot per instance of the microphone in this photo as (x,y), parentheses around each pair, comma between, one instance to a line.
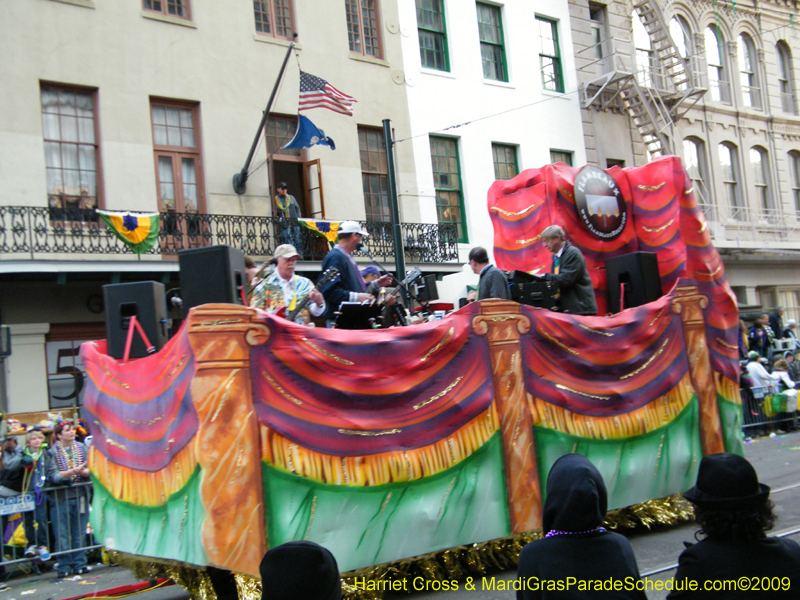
(361,248)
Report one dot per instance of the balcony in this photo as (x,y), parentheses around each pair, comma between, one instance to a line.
(40,233)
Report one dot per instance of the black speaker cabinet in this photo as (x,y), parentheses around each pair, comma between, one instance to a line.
(428,290)
(541,294)
(633,279)
(211,275)
(143,299)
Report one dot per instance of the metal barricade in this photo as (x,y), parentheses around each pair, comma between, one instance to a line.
(63,512)
(764,410)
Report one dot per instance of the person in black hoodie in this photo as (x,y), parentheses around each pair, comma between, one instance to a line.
(734,513)
(577,554)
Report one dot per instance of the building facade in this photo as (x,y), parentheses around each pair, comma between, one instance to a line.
(492,91)
(714,83)
(152,105)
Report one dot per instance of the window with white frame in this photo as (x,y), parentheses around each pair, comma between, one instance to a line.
(728,161)
(760,168)
(786,78)
(748,76)
(794,165)
(694,161)
(645,58)
(718,84)
(432,34)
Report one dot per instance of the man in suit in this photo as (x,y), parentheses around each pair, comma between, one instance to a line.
(493,282)
(568,270)
(350,286)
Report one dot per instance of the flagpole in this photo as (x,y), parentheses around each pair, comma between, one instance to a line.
(240,179)
(399,258)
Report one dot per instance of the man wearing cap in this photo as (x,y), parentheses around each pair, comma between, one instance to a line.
(288,211)
(734,513)
(286,289)
(350,286)
(575,293)
(790,332)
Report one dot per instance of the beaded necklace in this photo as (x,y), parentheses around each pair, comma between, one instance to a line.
(554,532)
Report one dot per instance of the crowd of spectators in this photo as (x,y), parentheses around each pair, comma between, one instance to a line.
(55,475)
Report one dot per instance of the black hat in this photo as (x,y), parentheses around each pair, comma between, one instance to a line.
(282,184)
(727,481)
(300,570)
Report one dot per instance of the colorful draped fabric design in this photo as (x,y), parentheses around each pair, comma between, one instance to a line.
(139,231)
(388,444)
(327,229)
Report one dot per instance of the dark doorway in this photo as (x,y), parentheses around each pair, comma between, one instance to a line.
(292,174)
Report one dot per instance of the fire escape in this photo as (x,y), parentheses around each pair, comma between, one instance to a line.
(656,88)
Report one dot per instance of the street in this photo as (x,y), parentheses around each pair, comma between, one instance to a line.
(777,461)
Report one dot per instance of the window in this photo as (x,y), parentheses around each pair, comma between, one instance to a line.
(794,163)
(71,150)
(490,32)
(730,176)
(549,56)
(432,35)
(374,174)
(681,36)
(615,162)
(760,165)
(561,156)
(694,161)
(170,8)
(717,81)
(786,78)
(274,18)
(177,155)
(447,181)
(505,161)
(280,131)
(597,23)
(748,79)
(363,28)
(645,58)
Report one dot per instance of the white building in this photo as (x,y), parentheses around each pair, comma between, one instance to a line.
(492,91)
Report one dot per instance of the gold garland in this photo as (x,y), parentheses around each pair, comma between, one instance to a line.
(453,564)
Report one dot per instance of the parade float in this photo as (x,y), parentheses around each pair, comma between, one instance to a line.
(246,430)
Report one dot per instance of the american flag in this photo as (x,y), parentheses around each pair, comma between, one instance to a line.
(318,93)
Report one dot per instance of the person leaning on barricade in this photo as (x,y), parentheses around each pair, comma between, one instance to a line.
(69,499)
(577,554)
(735,559)
(300,571)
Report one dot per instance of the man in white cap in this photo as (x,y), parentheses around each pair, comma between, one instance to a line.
(295,293)
(350,286)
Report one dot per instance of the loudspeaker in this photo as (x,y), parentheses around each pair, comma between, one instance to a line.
(210,275)
(633,278)
(145,300)
(428,290)
(541,294)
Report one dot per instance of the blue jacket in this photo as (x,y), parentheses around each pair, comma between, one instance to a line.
(338,290)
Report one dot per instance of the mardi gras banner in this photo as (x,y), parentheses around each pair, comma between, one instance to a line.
(246,430)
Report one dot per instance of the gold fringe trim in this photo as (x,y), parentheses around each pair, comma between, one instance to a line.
(379,469)
(727,389)
(652,188)
(507,213)
(453,564)
(657,413)
(477,560)
(658,229)
(144,488)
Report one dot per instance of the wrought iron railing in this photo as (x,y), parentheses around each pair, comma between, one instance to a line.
(45,233)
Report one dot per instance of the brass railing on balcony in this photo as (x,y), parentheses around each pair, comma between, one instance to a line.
(54,233)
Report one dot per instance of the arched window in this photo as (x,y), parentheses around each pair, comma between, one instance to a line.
(759,164)
(794,165)
(728,161)
(748,75)
(682,38)
(645,59)
(718,83)
(694,161)
(786,78)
